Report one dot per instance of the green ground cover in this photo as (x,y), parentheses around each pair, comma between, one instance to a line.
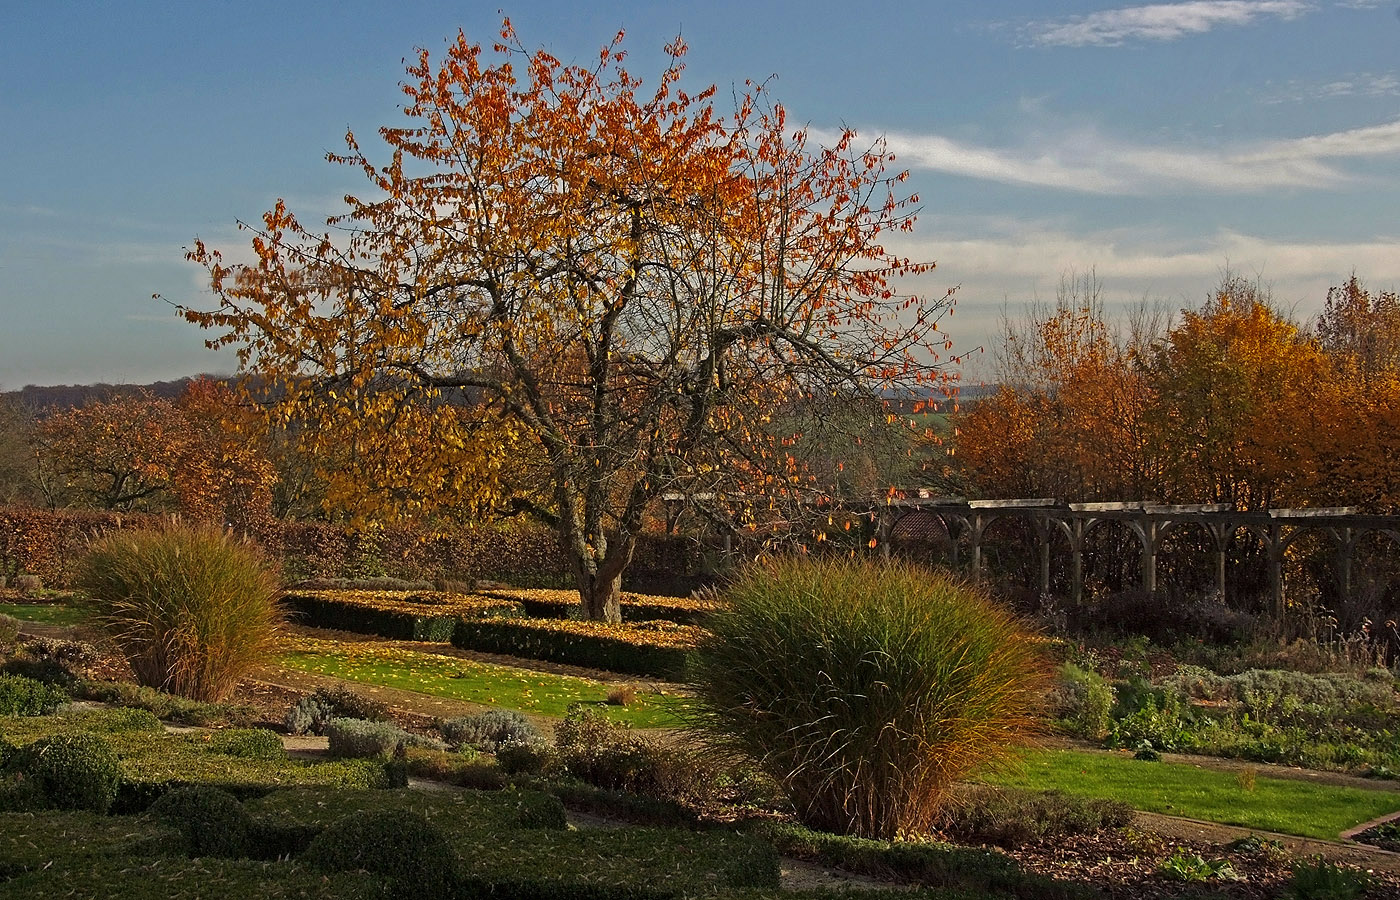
(1270,804)
(45,613)
(527,691)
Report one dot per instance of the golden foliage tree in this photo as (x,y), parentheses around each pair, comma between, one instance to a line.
(1068,419)
(1235,409)
(630,282)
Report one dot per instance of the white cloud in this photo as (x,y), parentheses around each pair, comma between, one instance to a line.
(1089,162)
(1158,22)
(999,271)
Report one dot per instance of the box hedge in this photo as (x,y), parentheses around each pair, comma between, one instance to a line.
(654,649)
(397,615)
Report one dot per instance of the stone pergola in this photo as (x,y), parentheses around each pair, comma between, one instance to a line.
(1151,523)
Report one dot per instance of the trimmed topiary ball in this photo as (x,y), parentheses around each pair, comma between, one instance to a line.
(211,820)
(410,852)
(864,689)
(74,771)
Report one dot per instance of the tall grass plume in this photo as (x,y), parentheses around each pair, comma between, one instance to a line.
(866,690)
(191,608)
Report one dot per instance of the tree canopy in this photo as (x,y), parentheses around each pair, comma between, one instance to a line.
(630,287)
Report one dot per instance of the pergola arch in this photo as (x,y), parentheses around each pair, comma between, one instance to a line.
(1151,524)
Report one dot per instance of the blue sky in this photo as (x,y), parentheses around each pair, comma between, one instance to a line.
(1154,144)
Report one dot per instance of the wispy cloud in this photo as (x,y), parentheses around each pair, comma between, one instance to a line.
(1157,22)
(1090,162)
(1362,84)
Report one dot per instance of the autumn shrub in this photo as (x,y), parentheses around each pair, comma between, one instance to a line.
(865,689)
(607,754)
(191,608)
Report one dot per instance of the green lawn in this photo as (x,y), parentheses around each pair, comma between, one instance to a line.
(1270,804)
(45,613)
(459,679)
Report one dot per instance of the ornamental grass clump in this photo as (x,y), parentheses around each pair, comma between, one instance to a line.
(865,689)
(191,608)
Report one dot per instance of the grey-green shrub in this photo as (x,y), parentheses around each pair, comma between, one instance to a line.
(487,730)
(410,852)
(9,630)
(311,713)
(77,771)
(359,739)
(191,608)
(21,696)
(865,689)
(212,821)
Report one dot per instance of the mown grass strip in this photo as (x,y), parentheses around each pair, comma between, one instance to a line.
(1271,804)
(538,693)
(45,613)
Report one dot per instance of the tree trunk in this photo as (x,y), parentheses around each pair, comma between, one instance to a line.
(599,580)
(602,597)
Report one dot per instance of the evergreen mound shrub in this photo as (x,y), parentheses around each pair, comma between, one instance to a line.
(75,771)
(167,706)
(249,743)
(212,821)
(486,731)
(192,609)
(865,689)
(21,696)
(402,846)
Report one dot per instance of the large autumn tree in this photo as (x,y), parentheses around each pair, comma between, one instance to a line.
(636,285)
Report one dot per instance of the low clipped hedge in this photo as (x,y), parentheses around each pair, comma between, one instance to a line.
(655,649)
(151,763)
(397,615)
(542,603)
(984,872)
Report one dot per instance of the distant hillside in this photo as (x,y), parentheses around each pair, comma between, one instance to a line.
(65,396)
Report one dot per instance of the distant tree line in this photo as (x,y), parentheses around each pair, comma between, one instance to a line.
(1233,402)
